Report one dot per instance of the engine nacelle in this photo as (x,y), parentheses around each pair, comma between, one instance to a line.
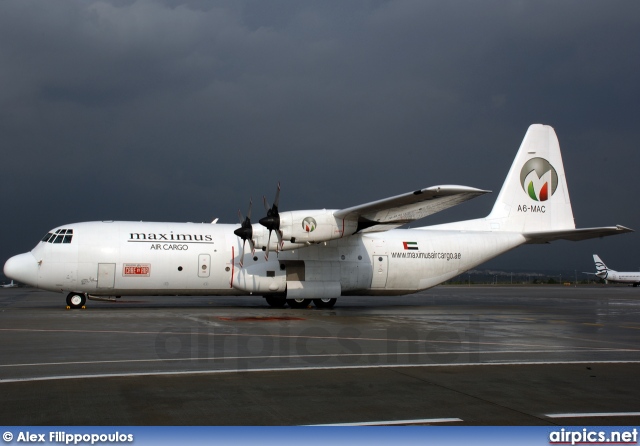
(314,226)
(263,277)
(261,238)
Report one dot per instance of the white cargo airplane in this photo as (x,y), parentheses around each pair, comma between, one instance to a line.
(9,285)
(322,254)
(610,275)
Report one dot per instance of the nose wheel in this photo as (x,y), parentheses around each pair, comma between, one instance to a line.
(76,300)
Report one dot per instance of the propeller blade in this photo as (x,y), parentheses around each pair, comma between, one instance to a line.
(242,256)
(245,231)
(277,200)
(266,255)
(272,220)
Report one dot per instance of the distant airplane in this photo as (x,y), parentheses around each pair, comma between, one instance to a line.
(610,275)
(322,254)
(9,285)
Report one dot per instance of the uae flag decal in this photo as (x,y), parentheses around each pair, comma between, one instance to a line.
(410,245)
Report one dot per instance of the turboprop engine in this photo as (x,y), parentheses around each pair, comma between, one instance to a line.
(314,226)
(301,228)
(292,229)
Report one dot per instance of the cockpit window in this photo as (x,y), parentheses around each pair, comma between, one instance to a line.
(60,236)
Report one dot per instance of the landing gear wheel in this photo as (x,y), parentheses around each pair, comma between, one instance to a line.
(299,303)
(76,300)
(276,302)
(324,303)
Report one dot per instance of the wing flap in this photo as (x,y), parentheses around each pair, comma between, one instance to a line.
(389,213)
(575,235)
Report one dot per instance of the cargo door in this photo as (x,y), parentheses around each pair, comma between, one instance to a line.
(106,275)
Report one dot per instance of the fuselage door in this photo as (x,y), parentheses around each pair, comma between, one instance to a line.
(106,275)
(380,270)
(204,265)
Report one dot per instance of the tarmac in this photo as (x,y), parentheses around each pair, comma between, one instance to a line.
(454,355)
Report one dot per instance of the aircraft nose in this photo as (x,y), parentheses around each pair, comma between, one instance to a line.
(23,268)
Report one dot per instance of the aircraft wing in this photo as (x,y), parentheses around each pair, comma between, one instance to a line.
(574,234)
(392,212)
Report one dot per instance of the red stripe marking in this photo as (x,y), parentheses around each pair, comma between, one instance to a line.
(233,259)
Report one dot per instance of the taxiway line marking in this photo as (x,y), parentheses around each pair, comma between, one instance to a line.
(300,369)
(593,414)
(326,355)
(394,422)
(192,333)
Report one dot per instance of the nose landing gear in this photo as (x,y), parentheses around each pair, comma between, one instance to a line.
(76,300)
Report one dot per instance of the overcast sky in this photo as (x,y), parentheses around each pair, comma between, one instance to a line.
(183,110)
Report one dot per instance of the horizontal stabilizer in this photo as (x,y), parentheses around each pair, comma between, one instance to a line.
(392,212)
(574,234)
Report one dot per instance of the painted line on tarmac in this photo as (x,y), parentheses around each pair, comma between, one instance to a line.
(326,355)
(302,369)
(267,335)
(394,422)
(593,414)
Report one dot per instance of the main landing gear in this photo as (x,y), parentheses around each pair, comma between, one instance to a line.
(280,302)
(76,300)
(299,303)
(325,303)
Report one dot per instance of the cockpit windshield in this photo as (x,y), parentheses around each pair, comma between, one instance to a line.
(60,236)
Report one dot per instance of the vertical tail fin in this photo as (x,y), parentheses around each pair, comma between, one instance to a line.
(534,196)
(600,266)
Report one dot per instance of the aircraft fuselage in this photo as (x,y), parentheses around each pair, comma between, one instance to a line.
(139,258)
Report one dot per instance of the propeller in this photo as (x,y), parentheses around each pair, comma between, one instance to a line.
(245,231)
(272,220)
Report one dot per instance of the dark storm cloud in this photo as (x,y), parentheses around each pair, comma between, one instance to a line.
(182,110)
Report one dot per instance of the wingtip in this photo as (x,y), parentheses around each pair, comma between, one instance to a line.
(453,188)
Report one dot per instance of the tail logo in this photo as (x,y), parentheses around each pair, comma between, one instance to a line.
(538,179)
(601,270)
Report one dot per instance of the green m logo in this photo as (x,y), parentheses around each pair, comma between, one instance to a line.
(538,179)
